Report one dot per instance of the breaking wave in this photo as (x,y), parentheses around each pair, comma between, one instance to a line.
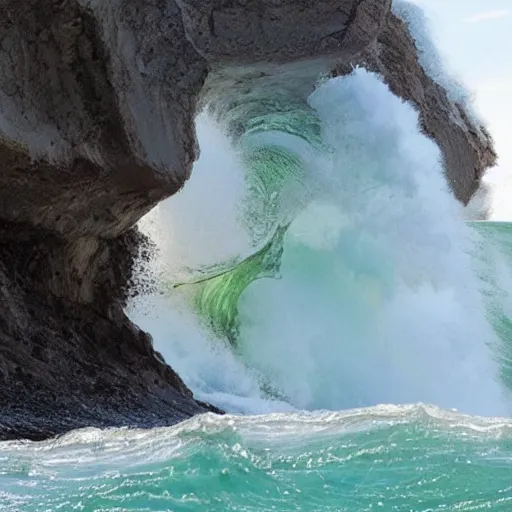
(317,260)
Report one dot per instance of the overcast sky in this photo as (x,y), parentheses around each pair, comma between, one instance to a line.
(475,36)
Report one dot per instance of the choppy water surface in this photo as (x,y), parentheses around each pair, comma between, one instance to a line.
(384,458)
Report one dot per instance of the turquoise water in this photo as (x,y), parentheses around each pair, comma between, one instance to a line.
(385,458)
(315,267)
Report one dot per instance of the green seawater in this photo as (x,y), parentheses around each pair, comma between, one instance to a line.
(493,260)
(216,298)
(386,458)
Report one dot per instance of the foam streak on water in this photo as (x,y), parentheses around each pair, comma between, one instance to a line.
(385,458)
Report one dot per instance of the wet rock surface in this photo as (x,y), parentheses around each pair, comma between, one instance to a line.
(97,103)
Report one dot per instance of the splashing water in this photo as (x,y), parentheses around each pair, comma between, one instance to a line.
(430,58)
(346,277)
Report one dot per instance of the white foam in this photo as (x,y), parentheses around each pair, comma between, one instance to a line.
(430,57)
(392,313)
(377,301)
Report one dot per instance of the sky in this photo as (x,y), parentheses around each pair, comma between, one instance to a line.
(475,38)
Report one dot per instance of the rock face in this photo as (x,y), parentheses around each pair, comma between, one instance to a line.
(64,364)
(97,102)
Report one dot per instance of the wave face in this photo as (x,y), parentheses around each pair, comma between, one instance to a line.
(327,265)
(385,458)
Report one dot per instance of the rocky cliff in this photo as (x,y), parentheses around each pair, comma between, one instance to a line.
(97,103)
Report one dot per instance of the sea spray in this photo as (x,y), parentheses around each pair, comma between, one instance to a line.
(374,299)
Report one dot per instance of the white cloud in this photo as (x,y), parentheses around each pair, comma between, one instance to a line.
(488,15)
